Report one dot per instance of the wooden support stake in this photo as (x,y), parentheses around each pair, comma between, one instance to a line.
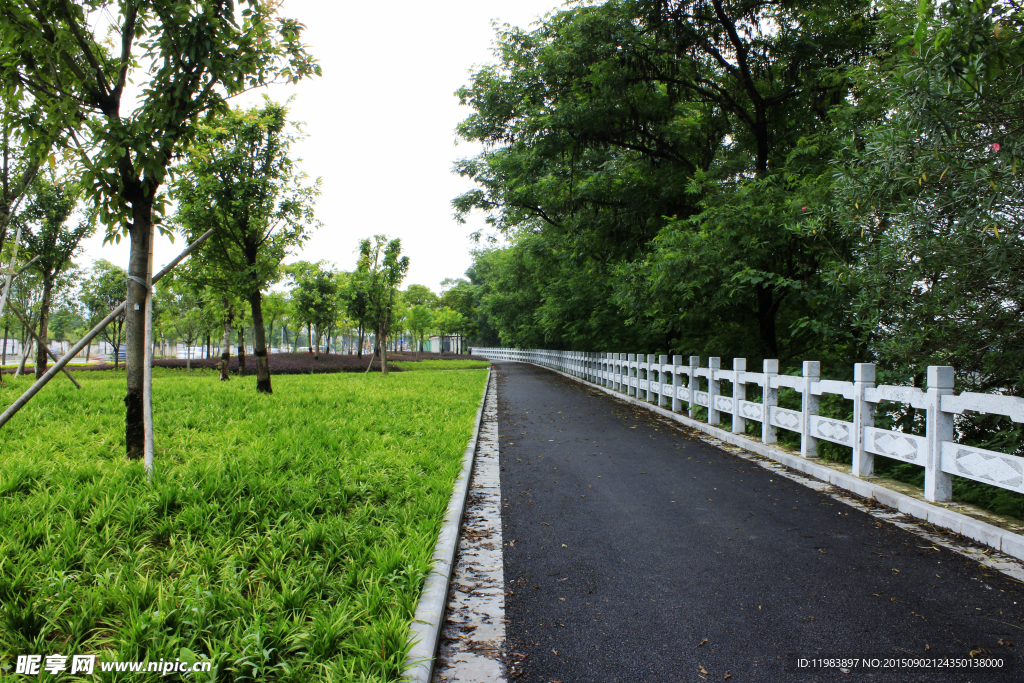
(15,311)
(77,348)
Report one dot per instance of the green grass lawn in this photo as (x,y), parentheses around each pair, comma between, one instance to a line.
(442,365)
(284,537)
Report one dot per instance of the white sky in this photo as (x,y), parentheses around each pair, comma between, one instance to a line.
(381,125)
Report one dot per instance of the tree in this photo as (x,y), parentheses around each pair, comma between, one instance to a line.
(26,293)
(617,134)
(382,270)
(276,307)
(419,295)
(460,295)
(933,200)
(240,180)
(47,237)
(448,322)
(357,306)
(22,158)
(315,298)
(189,317)
(198,52)
(102,292)
(419,320)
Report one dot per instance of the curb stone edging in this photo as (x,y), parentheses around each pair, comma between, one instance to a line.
(981,532)
(425,630)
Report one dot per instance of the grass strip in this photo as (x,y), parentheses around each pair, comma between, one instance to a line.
(284,537)
(407,365)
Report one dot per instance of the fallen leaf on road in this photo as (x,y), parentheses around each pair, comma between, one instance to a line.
(1004,643)
(702,642)
(703,670)
(727,676)
(545,524)
(555,651)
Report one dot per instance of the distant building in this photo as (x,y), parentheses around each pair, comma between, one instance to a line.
(445,344)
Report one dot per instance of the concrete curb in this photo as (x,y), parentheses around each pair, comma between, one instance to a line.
(425,631)
(987,534)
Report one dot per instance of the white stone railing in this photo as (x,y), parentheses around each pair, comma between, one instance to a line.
(654,379)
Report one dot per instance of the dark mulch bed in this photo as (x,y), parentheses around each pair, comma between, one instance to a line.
(294,363)
(285,363)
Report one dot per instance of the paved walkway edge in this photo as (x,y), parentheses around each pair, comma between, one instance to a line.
(987,534)
(425,631)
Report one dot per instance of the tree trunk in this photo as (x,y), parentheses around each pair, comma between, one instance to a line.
(359,348)
(382,342)
(225,356)
(6,327)
(24,357)
(141,232)
(260,345)
(766,310)
(44,319)
(241,352)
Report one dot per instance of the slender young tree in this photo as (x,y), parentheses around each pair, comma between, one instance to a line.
(382,270)
(275,308)
(188,56)
(240,179)
(316,299)
(102,292)
(47,237)
(419,321)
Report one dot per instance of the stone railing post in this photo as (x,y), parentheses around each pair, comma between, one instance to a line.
(677,362)
(652,361)
(630,389)
(809,406)
(739,393)
(863,417)
(714,365)
(769,399)
(663,400)
(938,485)
(694,383)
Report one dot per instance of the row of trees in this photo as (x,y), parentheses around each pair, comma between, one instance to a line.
(834,180)
(312,304)
(65,68)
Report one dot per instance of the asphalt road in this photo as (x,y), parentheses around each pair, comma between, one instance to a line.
(635,552)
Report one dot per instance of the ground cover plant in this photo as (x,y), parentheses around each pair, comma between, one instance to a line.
(412,364)
(308,363)
(284,537)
